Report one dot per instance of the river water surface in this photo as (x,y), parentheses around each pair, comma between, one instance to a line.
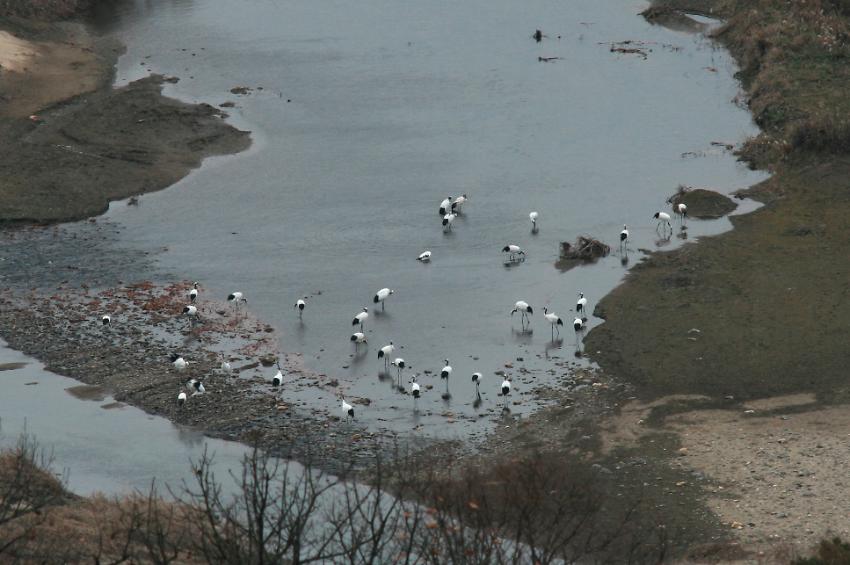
(364,116)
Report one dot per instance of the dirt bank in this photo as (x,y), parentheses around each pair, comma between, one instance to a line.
(67,137)
(761,311)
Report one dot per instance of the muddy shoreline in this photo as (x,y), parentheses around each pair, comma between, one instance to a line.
(68,136)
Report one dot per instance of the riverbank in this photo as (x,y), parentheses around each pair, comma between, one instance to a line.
(760,312)
(59,108)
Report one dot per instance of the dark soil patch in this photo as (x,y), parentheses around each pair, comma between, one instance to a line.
(704,204)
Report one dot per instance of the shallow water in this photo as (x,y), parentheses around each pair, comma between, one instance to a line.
(98,446)
(370,114)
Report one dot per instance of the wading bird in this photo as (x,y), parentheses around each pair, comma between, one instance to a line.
(191,311)
(445,373)
(553,319)
(361,318)
(476,378)
(415,391)
(235,298)
(300,304)
(445,205)
(424,257)
(193,294)
(624,237)
(277,380)
(447,221)
(578,326)
(358,338)
(506,389)
(524,309)
(106,320)
(226,367)
(682,212)
(181,399)
(347,409)
(385,352)
(513,251)
(197,385)
(581,306)
(533,217)
(398,363)
(663,220)
(457,205)
(381,296)
(178,361)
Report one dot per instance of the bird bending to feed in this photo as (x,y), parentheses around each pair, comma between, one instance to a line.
(358,338)
(414,388)
(447,221)
(457,205)
(398,363)
(513,251)
(197,385)
(347,409)
(663,220)
(506,389)
(578,324)
(300,304)
(624,236)
(385,352)
(533,217)
(277,379)
(524,309)
(181,399)
(476,378)
(178,361)
(106,320)
(581,306)
(382,295)
(360,318)
(226,367)
(424,257)
(553,319)
(236,298)
(193,294)
(190,310)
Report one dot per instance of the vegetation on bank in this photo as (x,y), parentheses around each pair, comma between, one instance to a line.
(47,10)
(281,513)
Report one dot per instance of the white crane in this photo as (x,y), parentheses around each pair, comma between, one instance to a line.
(226,367)
(513,251)
(347,409)
(398,363)
(181,399)
(476,378)
(277,379)
(445,205)
(360,318)
(106,320)
(624,237)
(193,294)
(235,298)
(197,385)
(385,352)
(447,221)
(524,309)
(178,361)
(533,217)
(358,338)
(553,319)
(457,205)
(415,390)
(445,373)
(424,257)
(506,389)
(682,212)
(382,295)
(663,220)
(300,304)
(581,306)
(191,311)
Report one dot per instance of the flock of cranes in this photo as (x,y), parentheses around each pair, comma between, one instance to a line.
(449,209)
